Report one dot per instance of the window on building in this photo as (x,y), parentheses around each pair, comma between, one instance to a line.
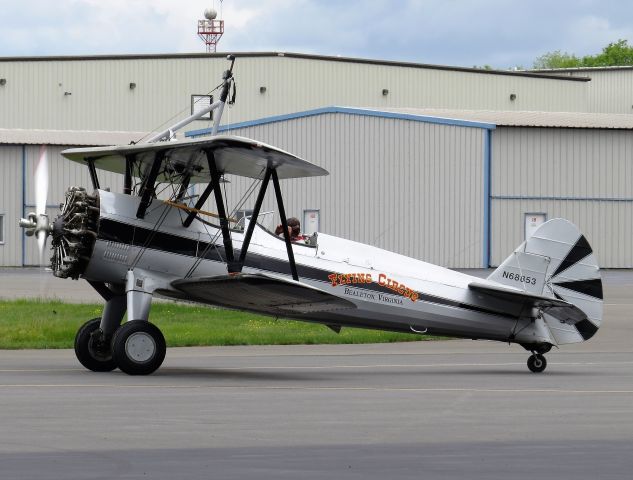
(199,103)
(1,228)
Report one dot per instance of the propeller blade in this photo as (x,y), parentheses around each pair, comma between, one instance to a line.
(41,183)
(41,244)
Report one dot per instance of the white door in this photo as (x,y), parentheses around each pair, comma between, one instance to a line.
(532,222)
(310,221)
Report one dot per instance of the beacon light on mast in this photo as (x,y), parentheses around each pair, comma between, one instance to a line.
(210,29)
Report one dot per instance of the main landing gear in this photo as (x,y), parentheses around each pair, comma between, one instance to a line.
(137,347)
(92,349)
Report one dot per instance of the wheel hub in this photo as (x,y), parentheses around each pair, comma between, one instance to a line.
(140,347)
(99,346)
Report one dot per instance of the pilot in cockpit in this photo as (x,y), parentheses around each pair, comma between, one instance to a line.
(294,228)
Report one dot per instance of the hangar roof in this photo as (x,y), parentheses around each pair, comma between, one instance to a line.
(19,136)
(615,121)
(486,119)
(516,73)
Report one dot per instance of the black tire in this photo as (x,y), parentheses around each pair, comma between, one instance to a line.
(537,363)
(90,349)
(138,347)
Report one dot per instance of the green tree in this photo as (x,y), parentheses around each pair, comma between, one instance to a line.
(615,54)
(618,53)
(557,59)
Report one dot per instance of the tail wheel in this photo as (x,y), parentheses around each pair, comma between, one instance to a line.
(92,349)
(537,363)
(138,347)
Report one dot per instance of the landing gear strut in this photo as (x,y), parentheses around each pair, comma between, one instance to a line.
(537,363)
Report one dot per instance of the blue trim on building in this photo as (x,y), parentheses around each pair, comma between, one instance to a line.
(23,202)
(569,199)
(487,197)
(345,110)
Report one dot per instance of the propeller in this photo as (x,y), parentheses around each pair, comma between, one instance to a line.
(41,192)
(37,222)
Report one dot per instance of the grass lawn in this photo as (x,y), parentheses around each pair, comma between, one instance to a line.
(44,324)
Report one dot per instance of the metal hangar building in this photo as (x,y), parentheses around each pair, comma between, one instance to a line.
(448,165)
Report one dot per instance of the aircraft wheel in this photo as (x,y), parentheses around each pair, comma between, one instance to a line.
(537,363)
(92,351)
(138,347)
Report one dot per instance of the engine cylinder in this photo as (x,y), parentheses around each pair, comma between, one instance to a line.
(74,233)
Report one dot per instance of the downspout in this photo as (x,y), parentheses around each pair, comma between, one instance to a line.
(487,196)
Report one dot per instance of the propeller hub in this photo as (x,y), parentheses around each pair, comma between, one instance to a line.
(34,224)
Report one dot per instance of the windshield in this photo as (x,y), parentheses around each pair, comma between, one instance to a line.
(264,220)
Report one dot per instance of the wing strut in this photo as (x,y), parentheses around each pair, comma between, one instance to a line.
(127,181)
(235,266)
(224,221)
(199,204)
(284,225)
(93,173)
(184,186)
(254,215)
(147,188)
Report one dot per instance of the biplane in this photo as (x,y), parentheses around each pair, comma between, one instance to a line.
(131,246)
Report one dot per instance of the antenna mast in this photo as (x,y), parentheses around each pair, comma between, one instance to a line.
(210,30)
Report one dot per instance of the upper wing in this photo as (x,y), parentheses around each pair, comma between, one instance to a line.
(233,155)
(260,293)
(560,309)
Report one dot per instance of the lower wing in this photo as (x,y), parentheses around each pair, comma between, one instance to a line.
(260,293)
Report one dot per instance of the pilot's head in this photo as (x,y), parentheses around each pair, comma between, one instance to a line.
(295,226)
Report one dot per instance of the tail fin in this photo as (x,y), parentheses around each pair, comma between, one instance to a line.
(558,262)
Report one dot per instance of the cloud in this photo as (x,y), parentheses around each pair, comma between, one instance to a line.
(502,33)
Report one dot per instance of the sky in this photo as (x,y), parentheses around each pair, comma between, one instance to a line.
(499,33)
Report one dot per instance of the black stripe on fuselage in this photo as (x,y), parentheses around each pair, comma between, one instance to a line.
(115,231)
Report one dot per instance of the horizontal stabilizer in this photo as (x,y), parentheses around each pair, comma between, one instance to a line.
(260,293)
(563,311)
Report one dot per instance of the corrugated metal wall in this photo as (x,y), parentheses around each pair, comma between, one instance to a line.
(101,99)
(411,187)
(10,203)
(609,91)
(582,175)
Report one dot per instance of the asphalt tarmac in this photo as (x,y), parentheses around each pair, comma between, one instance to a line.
(451,409)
